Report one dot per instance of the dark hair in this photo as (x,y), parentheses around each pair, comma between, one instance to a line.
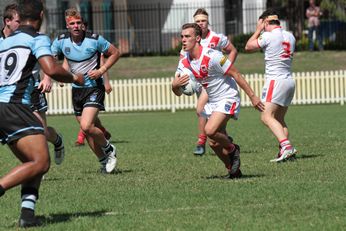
(9,11)
(201,11)
(197,29)
(30,9)
(269,12)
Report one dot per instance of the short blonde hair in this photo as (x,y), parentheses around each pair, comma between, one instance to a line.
(72,13)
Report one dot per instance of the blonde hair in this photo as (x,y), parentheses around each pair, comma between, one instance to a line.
(72,13)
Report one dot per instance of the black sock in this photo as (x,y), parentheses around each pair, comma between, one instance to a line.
(29,190)
(108,148)
(2,191)
(27,214)
(102,159)
(58,141)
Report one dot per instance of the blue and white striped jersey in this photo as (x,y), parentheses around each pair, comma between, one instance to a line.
(19,53)
(82,57)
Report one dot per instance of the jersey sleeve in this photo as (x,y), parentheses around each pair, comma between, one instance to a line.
(220,62)
(41,46)
(180,67)
(56,47)
(102,44)
(224,42)
(182,54)
(263,40)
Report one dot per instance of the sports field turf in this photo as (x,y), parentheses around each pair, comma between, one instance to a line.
(161,185)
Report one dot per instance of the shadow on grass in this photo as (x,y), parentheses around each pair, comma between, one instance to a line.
(61,217)
(249,151)
(244,176)
(65,217)
(115,172)
(302,156)
(64,178)
(119,141)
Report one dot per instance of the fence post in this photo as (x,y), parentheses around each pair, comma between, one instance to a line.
(342,74)
(173,101)
(160,25)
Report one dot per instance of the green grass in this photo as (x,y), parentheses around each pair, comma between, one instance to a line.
(161,185)
(165,66)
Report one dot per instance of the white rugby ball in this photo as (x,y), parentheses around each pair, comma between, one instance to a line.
(191,87)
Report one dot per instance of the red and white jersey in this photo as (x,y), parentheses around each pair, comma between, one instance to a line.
(278,46)
(215,41)
(212,40)
(209,70)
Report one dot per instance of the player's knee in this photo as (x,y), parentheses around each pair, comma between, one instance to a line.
(42,166)
(86,127)
(45,167)
(265,118)
(210,132)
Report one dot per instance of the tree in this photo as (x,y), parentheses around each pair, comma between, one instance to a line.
(335,8)
(293,12)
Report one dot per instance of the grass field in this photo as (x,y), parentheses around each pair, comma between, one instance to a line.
(161,185)
(165,66)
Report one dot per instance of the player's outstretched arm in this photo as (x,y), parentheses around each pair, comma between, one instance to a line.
(56,72)
(243,84)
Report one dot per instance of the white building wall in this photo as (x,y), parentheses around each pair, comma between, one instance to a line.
(184,10)
(252,9)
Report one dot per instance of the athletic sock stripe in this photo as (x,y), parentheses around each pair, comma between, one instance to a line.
(29,200)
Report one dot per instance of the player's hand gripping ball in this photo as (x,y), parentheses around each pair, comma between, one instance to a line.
(192,86)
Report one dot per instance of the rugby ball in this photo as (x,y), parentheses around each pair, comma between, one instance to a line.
(191,87)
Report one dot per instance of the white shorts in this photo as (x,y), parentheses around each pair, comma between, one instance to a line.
(280,91)
(226,106)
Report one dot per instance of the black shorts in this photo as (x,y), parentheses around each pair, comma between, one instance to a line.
(38,101)
(87,97)
(17,121)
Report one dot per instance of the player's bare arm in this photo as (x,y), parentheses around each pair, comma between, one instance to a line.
(252,44)
(112,55)
(231,51)
(243,84)
(106,83)
(45,84)
(56,72)
(65,66)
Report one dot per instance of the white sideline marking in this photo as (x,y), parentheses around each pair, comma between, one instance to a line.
(161,210)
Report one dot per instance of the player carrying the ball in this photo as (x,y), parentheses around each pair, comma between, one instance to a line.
(215,73)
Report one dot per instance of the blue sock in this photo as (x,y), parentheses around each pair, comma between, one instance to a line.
(29,196)
(29,201)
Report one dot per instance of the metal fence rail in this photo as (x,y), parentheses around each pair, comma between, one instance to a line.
(155,94)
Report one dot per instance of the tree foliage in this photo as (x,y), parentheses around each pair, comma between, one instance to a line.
(335,8)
